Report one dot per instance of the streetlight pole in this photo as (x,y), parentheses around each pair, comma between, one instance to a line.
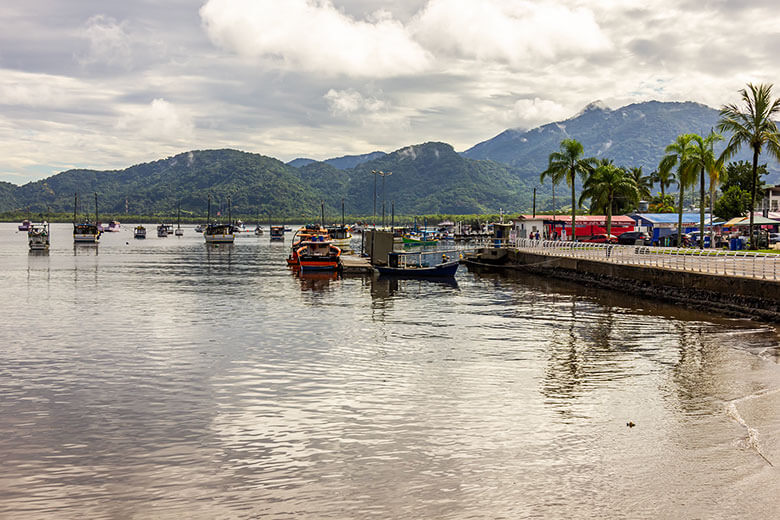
(374,172)
(384,174)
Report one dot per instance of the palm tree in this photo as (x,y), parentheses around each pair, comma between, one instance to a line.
(569,163)
(644,183)
(702,158)
(606,184)
(678,153)
(664,178)
(555,178)
(752,126)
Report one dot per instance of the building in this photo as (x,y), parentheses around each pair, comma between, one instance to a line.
(771,199)
(587,225)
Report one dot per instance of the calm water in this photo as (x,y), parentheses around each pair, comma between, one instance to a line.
(165,379)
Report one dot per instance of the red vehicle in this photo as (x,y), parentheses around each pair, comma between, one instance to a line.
(602,239)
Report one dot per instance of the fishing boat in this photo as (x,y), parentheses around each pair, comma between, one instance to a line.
(305,234)
(217,233)
(415,266)
(162,231)
(38,237)
(340,236)
(318,254)
(25,225)
(139,232)
(199,228)
(239,227)
(277,233)
(85,232)
(178,231)
(258,230)
(113,226)
(418,240)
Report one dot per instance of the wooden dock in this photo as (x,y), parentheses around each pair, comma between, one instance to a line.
(354,264)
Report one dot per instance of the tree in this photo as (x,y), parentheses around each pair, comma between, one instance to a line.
(555,178)
(605,185)
(740,174)
(702,158)
(569,163)
(678,153)
(664,178)
(644,183)
(733,203)
(752,126)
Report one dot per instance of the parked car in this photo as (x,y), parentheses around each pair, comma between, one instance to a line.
(633,238)
(602,239)
(774,238)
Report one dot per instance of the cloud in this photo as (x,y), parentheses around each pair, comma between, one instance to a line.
(160,120)
(315,36)
(510,31)
(109,42)
(530,112)
(349,102)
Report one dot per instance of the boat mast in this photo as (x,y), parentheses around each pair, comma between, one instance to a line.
(96,210)
(230,216)
(75,207)
(322,213)
(342,213)
(178,216)
(208,212)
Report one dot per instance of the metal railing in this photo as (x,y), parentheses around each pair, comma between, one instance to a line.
(763,266)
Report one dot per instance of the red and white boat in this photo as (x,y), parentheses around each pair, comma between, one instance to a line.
(318,254)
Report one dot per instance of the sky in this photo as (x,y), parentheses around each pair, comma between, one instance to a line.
(105,85)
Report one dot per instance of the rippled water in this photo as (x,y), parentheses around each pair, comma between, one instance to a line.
(165,379)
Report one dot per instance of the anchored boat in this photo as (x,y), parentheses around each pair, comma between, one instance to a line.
(416,265)
(38,237)
(139,232)
(85,232)
(318,254)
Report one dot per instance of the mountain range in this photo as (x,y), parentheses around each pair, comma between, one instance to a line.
(499,173)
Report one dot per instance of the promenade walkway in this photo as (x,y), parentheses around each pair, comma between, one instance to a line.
(763,266)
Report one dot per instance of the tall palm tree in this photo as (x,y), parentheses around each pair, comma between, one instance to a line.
(752,126)
(555,178)
(606,184)
(703,159)
(570,163)
(678,153)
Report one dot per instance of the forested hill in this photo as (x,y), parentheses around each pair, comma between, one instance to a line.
(634,135)
(425,178)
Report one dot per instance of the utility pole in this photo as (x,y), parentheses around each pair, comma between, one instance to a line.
(534,201)
(374,172)
(383,174)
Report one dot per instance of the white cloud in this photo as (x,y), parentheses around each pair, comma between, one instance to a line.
(512,31)
(527,113)
(313,35)
(160,120)
(109,42)
(350,101)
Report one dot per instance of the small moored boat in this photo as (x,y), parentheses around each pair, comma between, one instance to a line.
(277,233)
(162,231)
(38,237)
(414,266)
(139,232)
(318,254)
(25,225)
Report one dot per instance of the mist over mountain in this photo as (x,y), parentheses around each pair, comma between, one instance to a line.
(633,135)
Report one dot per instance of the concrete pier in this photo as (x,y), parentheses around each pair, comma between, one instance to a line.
(354,264)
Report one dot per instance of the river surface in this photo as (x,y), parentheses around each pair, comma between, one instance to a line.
(167,379)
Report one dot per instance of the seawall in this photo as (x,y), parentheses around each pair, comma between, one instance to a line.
(731,295)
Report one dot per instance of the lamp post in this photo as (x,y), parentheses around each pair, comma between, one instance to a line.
(374,172)
(384,174)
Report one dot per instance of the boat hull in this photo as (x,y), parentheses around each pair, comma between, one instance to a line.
(437,271)
(85,238)
(318,264)
(219,239)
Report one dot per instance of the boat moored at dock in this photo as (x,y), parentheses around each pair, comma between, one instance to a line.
(277,233)
(25,225)
(418,265)
(318,254)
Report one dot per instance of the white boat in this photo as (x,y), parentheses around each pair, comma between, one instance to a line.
(38,237)
(178,231)
(86,232)
(219,234)
(162,231)
(340,236)
(258,230)
(199,228)
(139,232)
